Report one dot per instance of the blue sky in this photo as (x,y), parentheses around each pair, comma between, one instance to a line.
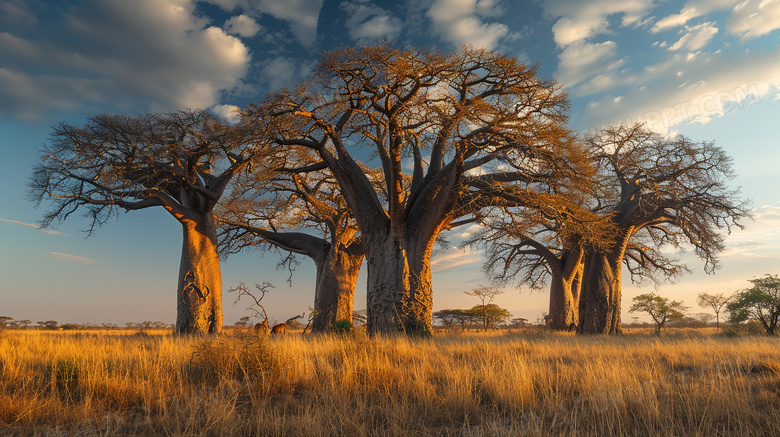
(709,69)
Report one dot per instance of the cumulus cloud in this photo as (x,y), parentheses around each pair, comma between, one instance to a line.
(124,53)
(759,239)
(695,37)
(242,25)
(282,71)
(580,20)
(581,61)
(692,9)
(368,23)
(461,22)
(231,113)
(300,15)
(690,88)
(754,18)
(71,257)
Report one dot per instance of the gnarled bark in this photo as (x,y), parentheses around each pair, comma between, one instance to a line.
(199,300)
(565,286)
(334,292)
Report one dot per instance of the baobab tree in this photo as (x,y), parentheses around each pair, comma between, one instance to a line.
(481,119)
(299,211)
(543,242)
(659,193)
(117,162)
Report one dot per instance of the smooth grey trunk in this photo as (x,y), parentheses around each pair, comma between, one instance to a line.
(199,299)
(565,286)
(400,295)
(334,293)
(600,299)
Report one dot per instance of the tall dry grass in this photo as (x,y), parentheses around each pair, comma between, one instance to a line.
(471,385)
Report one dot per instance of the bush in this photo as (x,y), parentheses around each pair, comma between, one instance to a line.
(223,359)
(341,327)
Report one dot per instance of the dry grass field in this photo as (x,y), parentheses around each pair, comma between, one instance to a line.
(527,383)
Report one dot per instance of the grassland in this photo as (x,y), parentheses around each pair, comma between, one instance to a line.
(527,383)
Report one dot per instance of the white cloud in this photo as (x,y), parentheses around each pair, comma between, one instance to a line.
(581,61)
(158,52)
(368,23)
(301,15)
(283,71)
(231,113)
(460,22)
(679,91)
(71,257)
(242,25)
(695,37)
(692,9)
(581,20)
(48,231)
(455,258)
(753,18)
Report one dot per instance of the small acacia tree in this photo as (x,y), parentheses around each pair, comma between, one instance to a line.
(760,302)
(714,301)
(660,309)
(486,296)
(116,162)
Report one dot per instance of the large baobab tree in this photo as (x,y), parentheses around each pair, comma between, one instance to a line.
(543,242)
(117,162)
(659,193)
(300,211)
(479,118)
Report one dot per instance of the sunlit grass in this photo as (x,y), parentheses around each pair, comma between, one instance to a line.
(527,383)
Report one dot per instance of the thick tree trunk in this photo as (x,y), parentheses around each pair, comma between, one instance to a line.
(334,292)
(565,285)
(601,295)
(199,299)
(400,296)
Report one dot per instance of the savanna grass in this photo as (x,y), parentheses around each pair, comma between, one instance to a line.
(526,383)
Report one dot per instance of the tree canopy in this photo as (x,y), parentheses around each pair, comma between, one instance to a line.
(180,161)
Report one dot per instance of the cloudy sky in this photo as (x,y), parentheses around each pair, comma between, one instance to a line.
(709,69)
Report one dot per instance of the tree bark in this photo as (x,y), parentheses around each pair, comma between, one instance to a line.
(565,286)
(199,299)
(400,295)
(334,292)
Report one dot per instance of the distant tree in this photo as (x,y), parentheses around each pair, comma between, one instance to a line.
(446,317)
(486,296)
(518,322)
(489,315)
(714,301)
(760,302)
(4,321)
(116,162)
(24,323)
(704,318)
(660,309)
(49,324)
(658,192)
(243,321)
